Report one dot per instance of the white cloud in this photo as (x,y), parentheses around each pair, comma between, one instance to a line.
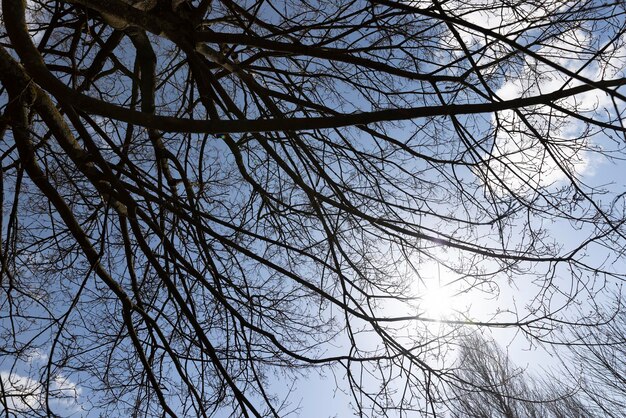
(24,394)
(37,356)
(519,160)
(504,19)
(524,161)
(21,393)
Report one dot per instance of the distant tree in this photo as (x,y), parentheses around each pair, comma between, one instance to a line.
(490,385)
(597,362)
(204,200)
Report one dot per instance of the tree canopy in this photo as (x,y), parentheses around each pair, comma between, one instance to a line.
(204,201)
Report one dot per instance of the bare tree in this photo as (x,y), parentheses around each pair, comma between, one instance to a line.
(490,385)
(204,200)
(596,361)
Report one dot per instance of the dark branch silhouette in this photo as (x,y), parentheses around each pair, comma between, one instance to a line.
(205,200)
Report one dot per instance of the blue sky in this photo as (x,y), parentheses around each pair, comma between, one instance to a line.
(516,160)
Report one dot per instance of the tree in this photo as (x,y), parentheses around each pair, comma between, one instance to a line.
(203,200)
(596,362)
(492,386)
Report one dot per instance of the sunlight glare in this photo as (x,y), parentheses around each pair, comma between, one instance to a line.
(437,303)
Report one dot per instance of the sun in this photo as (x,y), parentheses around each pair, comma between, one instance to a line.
(436,303)
(437,292)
